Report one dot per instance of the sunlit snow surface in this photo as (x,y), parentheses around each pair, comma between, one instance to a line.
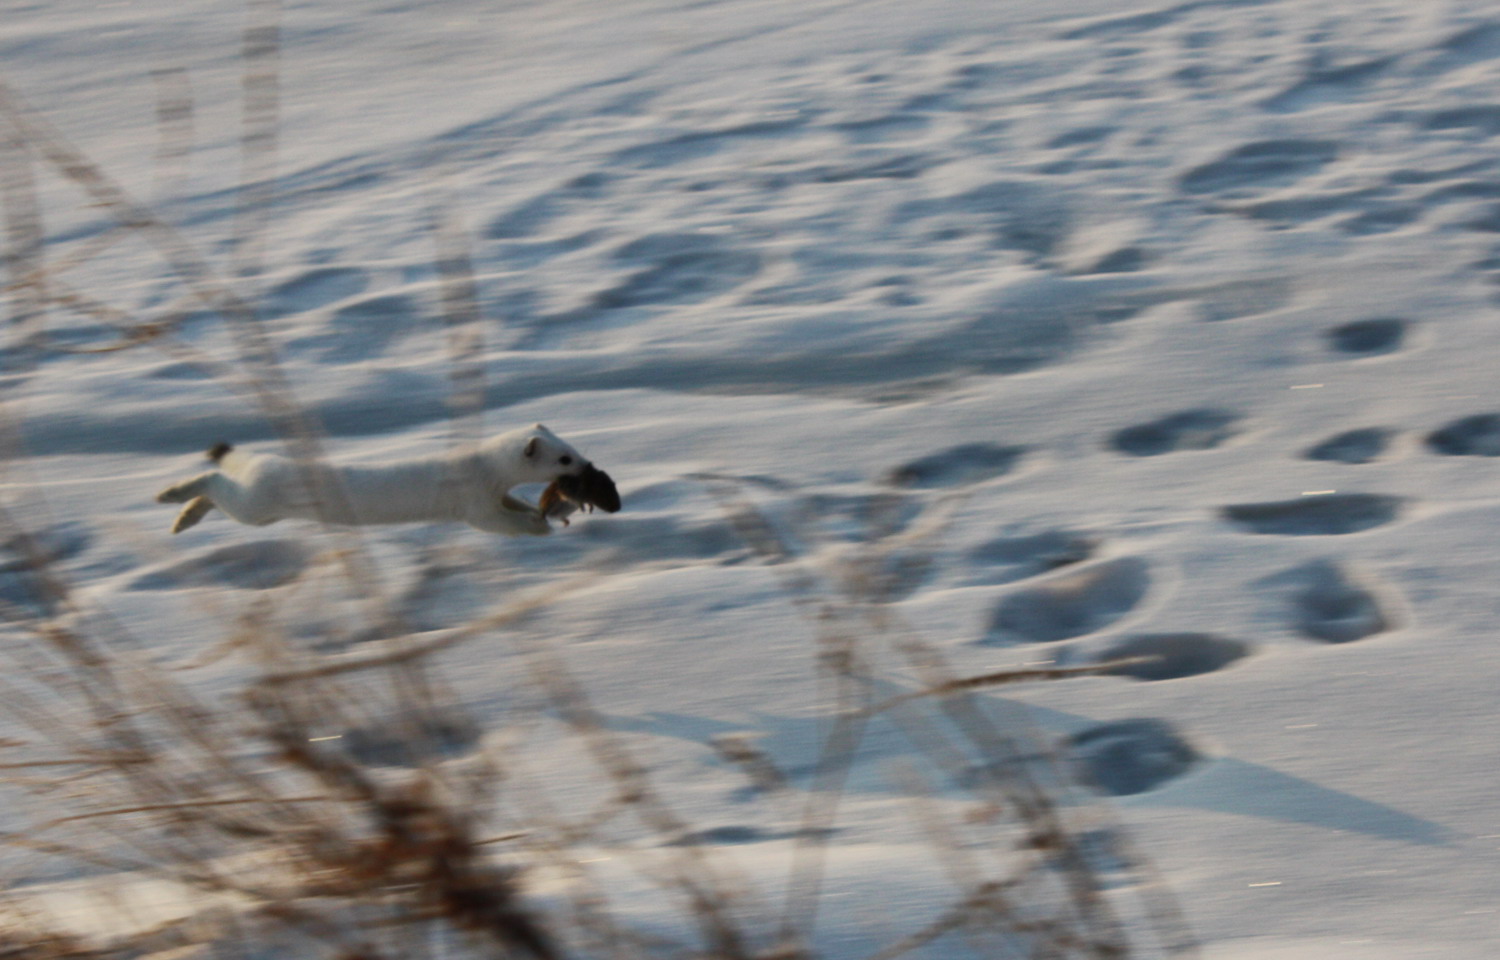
(1194,305)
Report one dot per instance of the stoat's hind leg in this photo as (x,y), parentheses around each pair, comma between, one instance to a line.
(186,490)
(196,509)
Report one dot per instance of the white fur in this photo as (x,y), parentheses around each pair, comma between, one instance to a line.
(474,487)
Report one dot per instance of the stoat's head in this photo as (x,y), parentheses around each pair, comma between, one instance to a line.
(541,456)
(544,456)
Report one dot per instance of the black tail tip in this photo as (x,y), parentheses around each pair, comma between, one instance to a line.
(218,450)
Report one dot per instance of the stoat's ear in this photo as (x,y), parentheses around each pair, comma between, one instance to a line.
(531,447)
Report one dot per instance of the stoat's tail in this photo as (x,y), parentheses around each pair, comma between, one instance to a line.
(218,451)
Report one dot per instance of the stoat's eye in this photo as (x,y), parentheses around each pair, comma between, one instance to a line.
(565,460)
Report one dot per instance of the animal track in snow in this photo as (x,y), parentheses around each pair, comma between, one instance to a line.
(1177,654)
(861,515)
(1381,219)
(1111,28)
(1322,515)
(411,741)
(1473,436)
(1031,221)
(1106,850)
(317,288)
(1266,163)
(661,538)
(1130,756)
(890,577)
(903,166)
(1034,326)
(444,595)
(737,834)
(681,268)
(1081,137)
(700,144)
(732,835)
(683,278)
(1328,84)
(1368,337)
(363,330)
(53,544)
(1016,558)
(23,562)
(1072,605)
(1483,118)
(1188,430)
(525,219)
(257,565)
(1470,45)
(1353,446)
(1332,606)
(1488,221)
(26,589)
(530,217)
(1244,298)
(1021,215)
(957,466)
(180,370)
(898,126)
(1291,211)
(1460,190)
(1127,259)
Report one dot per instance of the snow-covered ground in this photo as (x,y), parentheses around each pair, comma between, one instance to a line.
(1188,313)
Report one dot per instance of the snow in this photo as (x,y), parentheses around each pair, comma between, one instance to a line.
(1187,314)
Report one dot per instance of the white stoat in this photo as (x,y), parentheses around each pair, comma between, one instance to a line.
(472,486)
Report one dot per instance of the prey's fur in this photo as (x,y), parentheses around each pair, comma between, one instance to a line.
(472,487)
